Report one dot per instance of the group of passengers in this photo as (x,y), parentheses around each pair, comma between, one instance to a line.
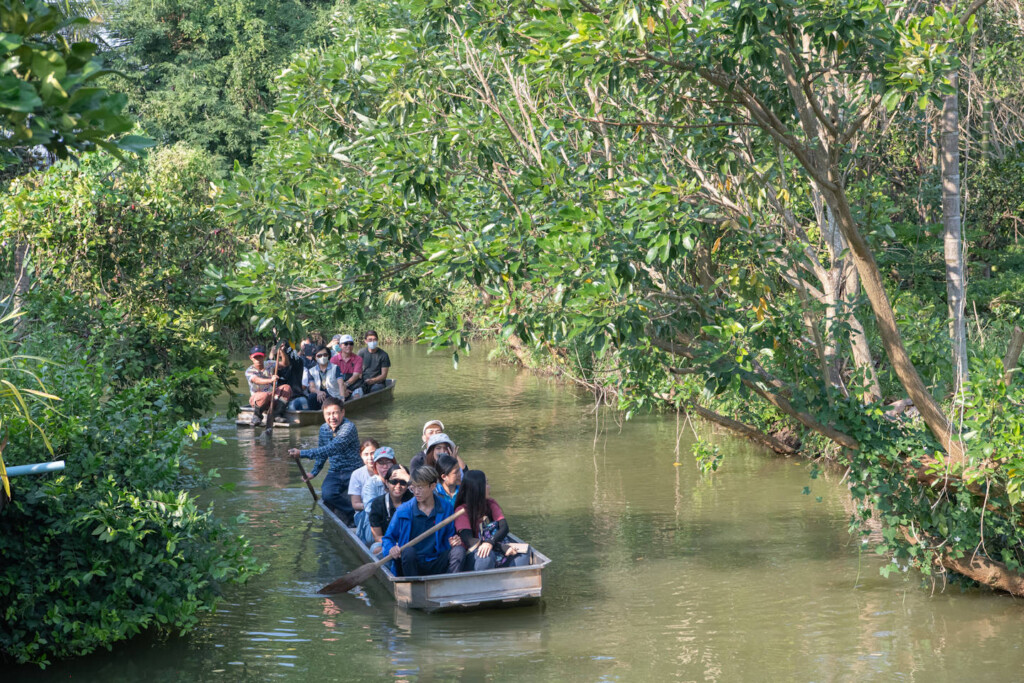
(389,505)
(303,379)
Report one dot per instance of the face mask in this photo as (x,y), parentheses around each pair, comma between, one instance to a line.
(322,361)
(371,345)
(336,348)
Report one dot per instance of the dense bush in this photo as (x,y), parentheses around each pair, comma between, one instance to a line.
(112,545)
(115,544)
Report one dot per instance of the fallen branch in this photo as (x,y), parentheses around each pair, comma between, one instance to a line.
(745,430)
(978,567)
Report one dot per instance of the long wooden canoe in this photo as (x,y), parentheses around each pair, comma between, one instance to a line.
(307,418)
(508,587)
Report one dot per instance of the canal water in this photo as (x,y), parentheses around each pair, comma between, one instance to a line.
(658,573)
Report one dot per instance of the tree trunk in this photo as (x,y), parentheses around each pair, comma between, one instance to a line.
(752,433)
(1012,356)
(859,340)
(21,283)
(871,279)
(952,242)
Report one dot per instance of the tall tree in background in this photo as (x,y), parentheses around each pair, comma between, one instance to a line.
(200,71)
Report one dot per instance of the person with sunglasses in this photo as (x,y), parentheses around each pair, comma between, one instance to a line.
(382,508)
(317,380)
(350,368)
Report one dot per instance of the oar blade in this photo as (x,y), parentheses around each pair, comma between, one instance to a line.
(350,580)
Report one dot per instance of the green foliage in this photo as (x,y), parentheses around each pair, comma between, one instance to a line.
(116,253)
(185,173)
(200,71)
(114,545)
(48,87)
(111,546)
(105,231)
(637,191)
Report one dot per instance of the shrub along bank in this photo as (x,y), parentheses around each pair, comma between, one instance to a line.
(114,324)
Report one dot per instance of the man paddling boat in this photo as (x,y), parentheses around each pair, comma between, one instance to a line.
(265,392)
(338,443)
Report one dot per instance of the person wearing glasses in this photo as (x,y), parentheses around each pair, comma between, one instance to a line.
(382,508)
(439,553)
(383,459)
(370,487)
(318,380)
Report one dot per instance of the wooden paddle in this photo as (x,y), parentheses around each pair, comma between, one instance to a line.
(302,471)
(358,576)
(269,418)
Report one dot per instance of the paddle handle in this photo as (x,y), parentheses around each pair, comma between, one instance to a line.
(443,522)
(309,484)
(267,419)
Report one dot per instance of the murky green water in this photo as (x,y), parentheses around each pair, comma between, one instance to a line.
(657,574)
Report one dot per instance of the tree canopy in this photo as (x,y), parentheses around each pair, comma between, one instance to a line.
(685,204)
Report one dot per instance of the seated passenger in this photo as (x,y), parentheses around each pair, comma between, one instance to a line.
(362,475)
(438,445)
(382,508)
(307,350)
(260,376)
(439,553)
(376,364)
(335,344)
(350,368)
(429,429)
(383,459)
(289,369)
(451,476)
(317,381)
(483,527)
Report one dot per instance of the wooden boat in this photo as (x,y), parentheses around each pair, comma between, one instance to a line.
(508,587)
(308,418)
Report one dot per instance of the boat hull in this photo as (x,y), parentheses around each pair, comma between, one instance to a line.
(465,591)
(311,418)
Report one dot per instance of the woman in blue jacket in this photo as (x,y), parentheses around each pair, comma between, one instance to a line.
(440,553)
